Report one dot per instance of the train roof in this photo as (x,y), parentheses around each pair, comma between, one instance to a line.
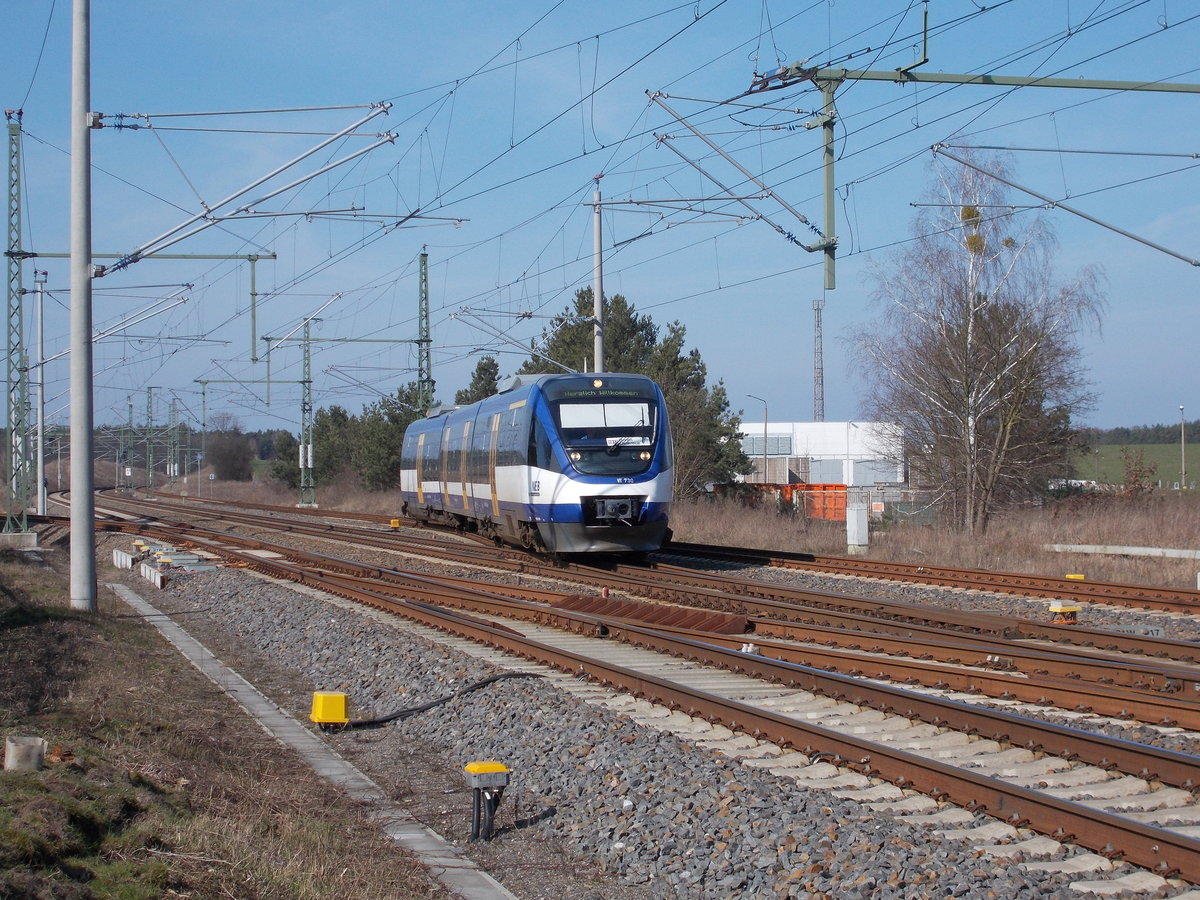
(513,382)
(516,382)
(519,382)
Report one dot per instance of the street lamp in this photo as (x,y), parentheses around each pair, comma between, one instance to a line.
(764,403)
(848,477)
(1182,453)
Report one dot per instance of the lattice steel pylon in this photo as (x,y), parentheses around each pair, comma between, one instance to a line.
(150,389)
(425,383)
(173,443)
(19,476)
(308,481)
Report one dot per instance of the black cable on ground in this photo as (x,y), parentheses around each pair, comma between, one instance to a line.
(413,710)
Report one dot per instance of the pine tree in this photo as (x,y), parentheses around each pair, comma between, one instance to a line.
(483,382)
(707,449)
(375,451)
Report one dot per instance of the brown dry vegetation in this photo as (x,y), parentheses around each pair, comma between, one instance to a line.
(1014,541)
(160,788)
(157,786)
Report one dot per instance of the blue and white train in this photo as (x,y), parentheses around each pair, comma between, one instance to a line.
(555,463)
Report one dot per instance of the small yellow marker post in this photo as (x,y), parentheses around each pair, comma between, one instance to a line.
(487,779)
(329,709)
(1064,611)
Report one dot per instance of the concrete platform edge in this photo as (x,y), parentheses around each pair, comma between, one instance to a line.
(458,873)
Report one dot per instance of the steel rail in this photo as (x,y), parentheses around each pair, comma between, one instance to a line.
(1135,674)
(309,512)
(774,600)
(1101,699)
(1098,698)
(1173,768)
(854,633)
(1155,848)
(1150,707)
(1149,596)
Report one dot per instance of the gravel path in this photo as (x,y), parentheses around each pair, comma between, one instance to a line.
(600,807)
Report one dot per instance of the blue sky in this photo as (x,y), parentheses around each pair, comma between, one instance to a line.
(502,114)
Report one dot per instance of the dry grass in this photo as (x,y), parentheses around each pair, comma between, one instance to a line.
(343,493)
(1014,543)
(732,523)
(160,786)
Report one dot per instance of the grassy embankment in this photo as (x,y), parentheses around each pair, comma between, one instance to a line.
(156,785)
(1105,463)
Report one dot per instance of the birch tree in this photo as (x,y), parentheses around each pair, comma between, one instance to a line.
(976,353)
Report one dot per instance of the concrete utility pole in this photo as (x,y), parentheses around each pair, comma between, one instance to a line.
(818,363)
(828,81)
(83,504)
(597,279)
(83,479)
(675,204)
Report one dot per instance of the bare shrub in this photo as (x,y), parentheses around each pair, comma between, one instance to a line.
(1016,541)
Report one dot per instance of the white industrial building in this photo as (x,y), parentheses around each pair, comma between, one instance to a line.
(861,454)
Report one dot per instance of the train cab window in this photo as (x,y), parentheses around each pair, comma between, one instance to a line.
(608,438)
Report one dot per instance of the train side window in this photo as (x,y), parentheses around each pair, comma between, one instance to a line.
(511,446)
(541,454)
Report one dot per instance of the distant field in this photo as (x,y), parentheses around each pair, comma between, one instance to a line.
(1104,463)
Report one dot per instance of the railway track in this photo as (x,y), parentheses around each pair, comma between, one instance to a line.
(853,614)
(1162,599)
(1139,596)
(1079,675)
(1084,767)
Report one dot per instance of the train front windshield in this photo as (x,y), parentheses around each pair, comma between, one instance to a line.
(608,436)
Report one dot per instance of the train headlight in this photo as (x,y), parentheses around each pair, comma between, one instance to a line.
(644,456)
(575,456)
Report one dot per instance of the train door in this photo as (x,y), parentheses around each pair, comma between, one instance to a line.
(493,446)
(445,460)
(464,452)
(420,468)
